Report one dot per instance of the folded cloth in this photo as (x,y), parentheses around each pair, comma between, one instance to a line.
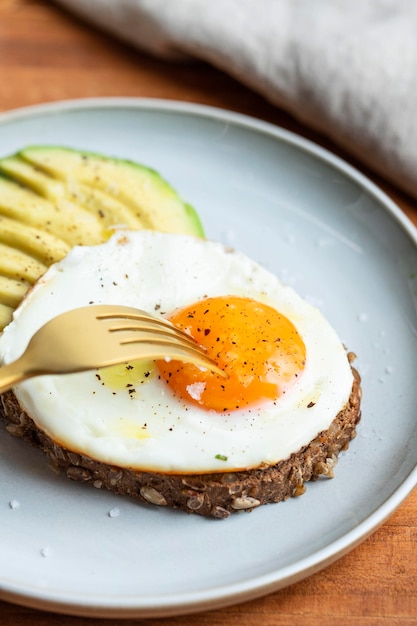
(346,69)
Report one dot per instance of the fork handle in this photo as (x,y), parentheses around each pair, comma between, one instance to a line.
(11,375)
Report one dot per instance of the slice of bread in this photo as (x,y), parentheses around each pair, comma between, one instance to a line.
(217,494)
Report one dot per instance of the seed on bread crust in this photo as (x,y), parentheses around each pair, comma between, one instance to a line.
(216,495)
(152,495)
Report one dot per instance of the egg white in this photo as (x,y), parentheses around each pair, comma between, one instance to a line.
(149,428)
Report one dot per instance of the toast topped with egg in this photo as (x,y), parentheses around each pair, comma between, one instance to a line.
(169,433)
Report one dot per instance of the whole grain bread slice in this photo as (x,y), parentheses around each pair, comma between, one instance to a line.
(217,494)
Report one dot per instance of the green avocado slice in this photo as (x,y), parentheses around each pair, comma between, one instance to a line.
(107,211)
(52,198)
(148,196)
(64,220)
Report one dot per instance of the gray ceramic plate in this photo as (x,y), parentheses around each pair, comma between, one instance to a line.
(325,229)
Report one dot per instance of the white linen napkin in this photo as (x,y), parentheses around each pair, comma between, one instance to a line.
(347,69)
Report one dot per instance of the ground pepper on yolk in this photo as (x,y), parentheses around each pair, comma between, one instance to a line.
(259,348)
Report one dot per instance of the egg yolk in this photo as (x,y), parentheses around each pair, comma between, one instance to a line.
(257,347)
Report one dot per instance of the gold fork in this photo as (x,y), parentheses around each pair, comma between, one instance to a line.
(100,335)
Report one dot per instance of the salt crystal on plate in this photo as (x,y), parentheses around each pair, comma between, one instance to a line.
(46,551)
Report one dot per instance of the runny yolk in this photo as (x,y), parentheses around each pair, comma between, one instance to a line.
(259,349)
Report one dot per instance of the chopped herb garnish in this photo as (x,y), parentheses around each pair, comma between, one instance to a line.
(221,457)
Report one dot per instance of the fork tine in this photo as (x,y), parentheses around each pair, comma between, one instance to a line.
(158,331)
(162,348)
(145,324)
(161,339)
(129,315)
(157,337)
(154,325)
(161,332)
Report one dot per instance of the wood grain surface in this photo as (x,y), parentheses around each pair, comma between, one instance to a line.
(47,55)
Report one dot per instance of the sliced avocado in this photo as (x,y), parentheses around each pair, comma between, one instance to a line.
(52,198)
(66,221)
(12,290)
(143,190)
(15,168)
(106,210)
(44,246)
(19,265)
(6,313)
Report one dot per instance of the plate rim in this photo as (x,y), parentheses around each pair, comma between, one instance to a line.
(170,605)
(209,111)
(217,597)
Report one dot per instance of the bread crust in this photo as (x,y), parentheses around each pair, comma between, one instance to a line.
(216,494)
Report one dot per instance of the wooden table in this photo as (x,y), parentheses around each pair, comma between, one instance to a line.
(47,55)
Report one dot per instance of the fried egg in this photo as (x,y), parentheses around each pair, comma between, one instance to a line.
(288,375)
